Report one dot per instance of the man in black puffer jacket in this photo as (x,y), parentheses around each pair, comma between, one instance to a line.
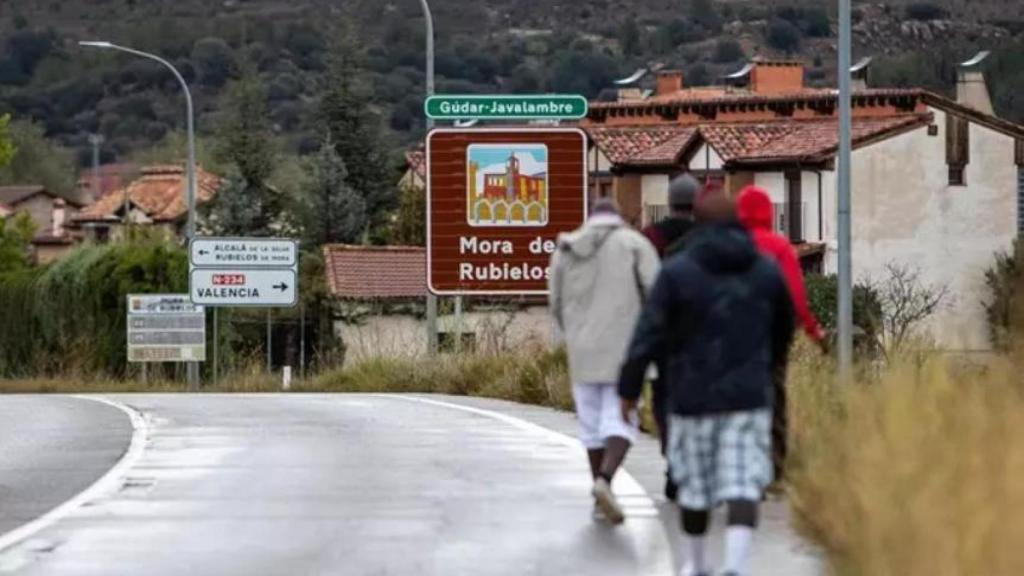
(722,316)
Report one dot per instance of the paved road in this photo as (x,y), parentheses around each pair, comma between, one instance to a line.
(365,485)
(51,448)
(361,485)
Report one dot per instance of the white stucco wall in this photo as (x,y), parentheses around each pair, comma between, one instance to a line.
(809,193)
(399,336)
(706,158)
(905,211)
(597,161)
(774,183)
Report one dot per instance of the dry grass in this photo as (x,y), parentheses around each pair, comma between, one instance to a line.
(915,472)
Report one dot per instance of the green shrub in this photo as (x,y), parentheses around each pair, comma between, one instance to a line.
(1004,306)
(784,35)
(69,317)
(823,297)
(925,11)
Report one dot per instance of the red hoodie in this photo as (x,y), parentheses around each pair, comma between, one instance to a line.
(756,214)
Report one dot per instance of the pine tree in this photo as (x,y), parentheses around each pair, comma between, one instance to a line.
(337,211)
(247,205)
(355,131)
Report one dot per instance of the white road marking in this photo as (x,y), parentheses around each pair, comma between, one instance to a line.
(626,487)
(109,483)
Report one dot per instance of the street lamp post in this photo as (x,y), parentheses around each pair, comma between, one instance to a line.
(845,319)
(191,185)
(190,167)
(431,299)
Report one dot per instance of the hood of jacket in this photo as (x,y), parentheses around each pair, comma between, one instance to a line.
(754,208)
(585,242)
(725,248)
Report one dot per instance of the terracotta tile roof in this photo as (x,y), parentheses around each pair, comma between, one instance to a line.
(725,96)
(374,273)
(113,177)
(624,144)
(12,195)
(798,139)
(416,160)
(742,142)
(159,192)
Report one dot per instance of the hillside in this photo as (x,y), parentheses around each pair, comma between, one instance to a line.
(483,46)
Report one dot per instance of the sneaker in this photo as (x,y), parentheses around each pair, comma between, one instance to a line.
(597,515)
(688,571)
(671,492)
(605,500)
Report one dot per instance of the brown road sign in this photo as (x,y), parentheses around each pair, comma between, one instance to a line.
(497,198)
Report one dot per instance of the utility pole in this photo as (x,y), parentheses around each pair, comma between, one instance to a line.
(96,140)
(431,298)
(845,323)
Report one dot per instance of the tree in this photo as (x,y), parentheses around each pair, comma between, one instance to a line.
(411,222)
(36,160)
(337,213)
(247,204)
(16,233)
(7,148)
(629,36)
(728,50)
(214,60)
(355,131)
(907,302)
(1004,307)
(784,35)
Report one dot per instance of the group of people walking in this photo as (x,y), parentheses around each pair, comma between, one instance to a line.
(702,305)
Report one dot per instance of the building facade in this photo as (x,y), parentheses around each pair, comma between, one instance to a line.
(937,183)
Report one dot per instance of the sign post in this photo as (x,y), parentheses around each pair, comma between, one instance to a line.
(505,107)
(247,272)
(496,201)
(165,328)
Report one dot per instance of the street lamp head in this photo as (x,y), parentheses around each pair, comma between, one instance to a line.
(93,44)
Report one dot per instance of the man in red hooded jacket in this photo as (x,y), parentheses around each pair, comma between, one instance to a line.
(754,208)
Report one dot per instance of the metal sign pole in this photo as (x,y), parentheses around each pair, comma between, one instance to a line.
(302,342)
(216,337)
(845,323)
(270,343)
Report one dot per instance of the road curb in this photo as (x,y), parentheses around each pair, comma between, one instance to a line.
(106,484)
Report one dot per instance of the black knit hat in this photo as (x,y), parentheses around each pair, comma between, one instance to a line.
(682,192)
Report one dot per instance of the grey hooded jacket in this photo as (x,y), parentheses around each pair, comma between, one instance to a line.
(599,277)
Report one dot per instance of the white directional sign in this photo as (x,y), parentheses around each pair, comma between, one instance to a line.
(165,328)
(247,252)
(244,272)
(244,287)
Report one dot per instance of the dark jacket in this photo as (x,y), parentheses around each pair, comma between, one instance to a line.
(668,234)
(721,313)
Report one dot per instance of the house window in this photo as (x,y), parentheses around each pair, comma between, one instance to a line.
(956,176)
(783,222)
(958,148)
(654,213)
(794,198)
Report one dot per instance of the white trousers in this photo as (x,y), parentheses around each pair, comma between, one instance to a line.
(599,411)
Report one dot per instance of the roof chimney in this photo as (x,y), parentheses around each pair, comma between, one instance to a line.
(669,82)
(777,76)
(859,74)
(971,90)
(59,217)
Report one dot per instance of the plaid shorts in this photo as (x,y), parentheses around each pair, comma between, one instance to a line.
(722,457)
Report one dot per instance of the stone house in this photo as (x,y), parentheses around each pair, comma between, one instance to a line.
(49,212)
(938,184)
(156,200)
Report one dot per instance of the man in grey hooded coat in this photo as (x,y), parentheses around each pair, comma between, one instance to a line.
(600,275)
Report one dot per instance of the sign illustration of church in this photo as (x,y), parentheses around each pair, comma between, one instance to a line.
(507,185)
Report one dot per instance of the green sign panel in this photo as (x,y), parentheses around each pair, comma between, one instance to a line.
(481,107)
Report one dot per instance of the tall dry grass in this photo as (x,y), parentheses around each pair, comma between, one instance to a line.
(917,470)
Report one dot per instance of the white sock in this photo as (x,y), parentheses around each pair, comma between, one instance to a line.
(697,559)
(737,548)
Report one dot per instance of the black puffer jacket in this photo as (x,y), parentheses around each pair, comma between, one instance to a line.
(721,314)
